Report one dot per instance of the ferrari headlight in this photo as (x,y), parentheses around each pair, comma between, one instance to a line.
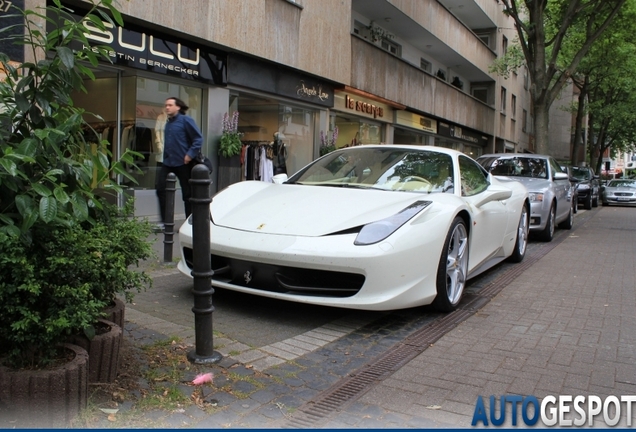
(379,230)
(535,197)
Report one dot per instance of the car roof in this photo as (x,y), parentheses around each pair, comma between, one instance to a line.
(511,155)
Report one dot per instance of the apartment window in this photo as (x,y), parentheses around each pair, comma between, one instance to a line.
(391,47)
(485,39)
(503,100)
(524,121)
(480,93)
(425,65)
(525,78)
(360,29)
(504,45)
(513,106)
(513,130)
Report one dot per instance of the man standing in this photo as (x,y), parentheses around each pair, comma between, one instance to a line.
(182,142)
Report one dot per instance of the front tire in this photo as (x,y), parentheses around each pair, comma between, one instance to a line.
(522,237)
(548,232)
(588,202)
(595,201)
(453,268)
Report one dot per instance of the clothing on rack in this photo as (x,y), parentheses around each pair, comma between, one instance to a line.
(256,161)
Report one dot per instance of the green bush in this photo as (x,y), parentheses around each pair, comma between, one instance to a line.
(60,283)
(64,252)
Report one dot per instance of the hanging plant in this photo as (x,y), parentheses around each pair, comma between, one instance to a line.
(328,143)
(378,33)
(230,144)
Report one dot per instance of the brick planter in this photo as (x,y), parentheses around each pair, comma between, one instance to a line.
(48,398)
(115,313)
(103,353)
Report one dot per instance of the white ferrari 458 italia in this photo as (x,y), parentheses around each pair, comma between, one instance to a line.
(374,227)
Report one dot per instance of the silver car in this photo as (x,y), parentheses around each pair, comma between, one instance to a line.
(549,188)
(619,191)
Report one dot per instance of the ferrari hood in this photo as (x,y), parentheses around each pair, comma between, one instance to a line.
(304,210)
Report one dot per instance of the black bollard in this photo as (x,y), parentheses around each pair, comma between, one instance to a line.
(168,230)
(202,269)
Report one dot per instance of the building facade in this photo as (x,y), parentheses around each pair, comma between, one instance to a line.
(381,71)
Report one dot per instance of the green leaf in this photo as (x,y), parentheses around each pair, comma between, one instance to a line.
(67,57)
(9,166)
(80,208)
(41,189)
(28,147)
(61,195)
(22,102)
(24,204)
(48,209)
(29,220)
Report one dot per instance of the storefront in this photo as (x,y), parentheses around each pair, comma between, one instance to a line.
(360,119)
(124,103)
(411,128)
(277,107)
(460,138)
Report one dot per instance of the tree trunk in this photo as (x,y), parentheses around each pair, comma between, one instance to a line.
(541,125)
(578,128)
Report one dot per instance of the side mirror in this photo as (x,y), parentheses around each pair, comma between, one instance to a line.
(493,193)
(560,176)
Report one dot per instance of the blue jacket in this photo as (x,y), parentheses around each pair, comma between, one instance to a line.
(181,136)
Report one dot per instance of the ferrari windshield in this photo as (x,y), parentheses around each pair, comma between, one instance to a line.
(378,168)
(516,166)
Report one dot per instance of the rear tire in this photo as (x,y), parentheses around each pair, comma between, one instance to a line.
(522,237)
(453,268)
(548,232)
(567,224)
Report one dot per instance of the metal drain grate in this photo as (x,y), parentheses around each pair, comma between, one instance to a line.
(315,412)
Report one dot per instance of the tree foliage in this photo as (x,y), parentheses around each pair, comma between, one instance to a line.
(543,26)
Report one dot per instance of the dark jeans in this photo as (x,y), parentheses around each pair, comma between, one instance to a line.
(183,175)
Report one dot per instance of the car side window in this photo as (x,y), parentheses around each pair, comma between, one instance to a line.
(474,178)
(555,167)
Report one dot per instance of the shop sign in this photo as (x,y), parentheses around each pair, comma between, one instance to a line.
(13,26)
(363,106)
(312,92)
(416,121)
(141,50)
(462,134)
(271,78)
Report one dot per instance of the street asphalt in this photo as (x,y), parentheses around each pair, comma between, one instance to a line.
(560,323)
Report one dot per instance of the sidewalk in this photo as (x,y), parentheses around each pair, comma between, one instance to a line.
(564,325)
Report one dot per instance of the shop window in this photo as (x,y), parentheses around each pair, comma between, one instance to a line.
(163,87)
(299,116)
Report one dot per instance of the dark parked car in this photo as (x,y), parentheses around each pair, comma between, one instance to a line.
(589,187)
(575,188)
